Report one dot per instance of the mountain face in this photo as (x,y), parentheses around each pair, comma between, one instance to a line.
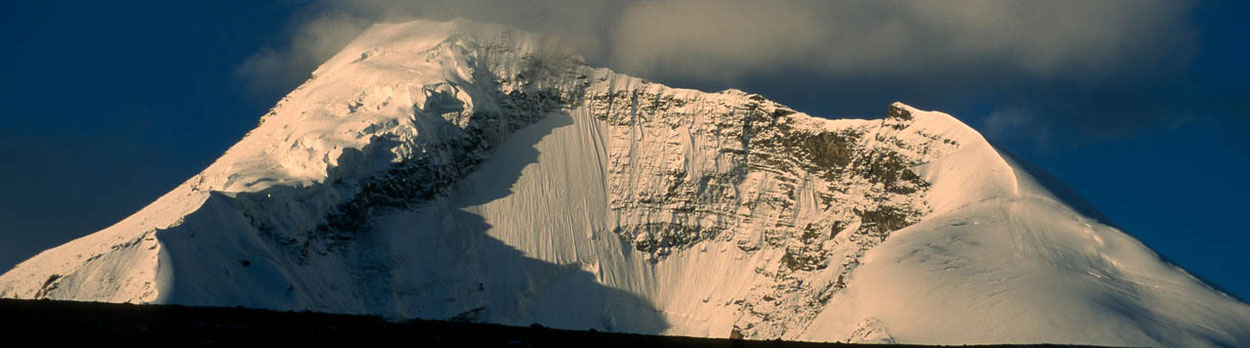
(452,170)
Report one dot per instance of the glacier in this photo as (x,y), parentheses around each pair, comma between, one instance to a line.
(466,171)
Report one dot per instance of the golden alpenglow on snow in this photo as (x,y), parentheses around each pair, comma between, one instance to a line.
(456,170)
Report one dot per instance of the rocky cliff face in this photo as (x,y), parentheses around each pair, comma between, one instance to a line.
(474,172)
(740,169)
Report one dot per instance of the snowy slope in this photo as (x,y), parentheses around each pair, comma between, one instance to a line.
(1011,262)
(475,172)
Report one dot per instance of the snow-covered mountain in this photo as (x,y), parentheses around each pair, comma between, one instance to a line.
(475,172)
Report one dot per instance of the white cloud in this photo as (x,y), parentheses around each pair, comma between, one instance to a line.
(730,39)
(314,41)
(712,40)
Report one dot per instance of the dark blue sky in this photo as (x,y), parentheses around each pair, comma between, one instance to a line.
(107,106)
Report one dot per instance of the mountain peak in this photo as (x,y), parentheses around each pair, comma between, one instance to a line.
(460,170)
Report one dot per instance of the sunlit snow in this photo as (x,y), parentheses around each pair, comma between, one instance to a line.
(552,222)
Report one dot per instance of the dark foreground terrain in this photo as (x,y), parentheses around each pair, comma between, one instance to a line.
(58,323)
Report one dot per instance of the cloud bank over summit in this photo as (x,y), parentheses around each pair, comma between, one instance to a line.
(729,39)
(837,38)
(1093,54)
